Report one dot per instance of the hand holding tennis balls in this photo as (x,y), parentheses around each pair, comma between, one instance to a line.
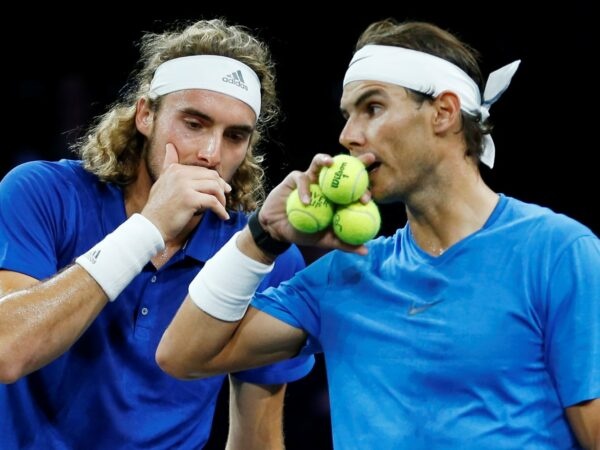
(340,186)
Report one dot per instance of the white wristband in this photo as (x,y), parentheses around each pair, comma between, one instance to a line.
(121,255)
(226,283)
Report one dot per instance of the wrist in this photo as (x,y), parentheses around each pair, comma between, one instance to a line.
(262,239)
(121,255)
(226,283)
(247,245)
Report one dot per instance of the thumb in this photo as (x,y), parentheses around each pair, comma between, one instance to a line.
(171,156)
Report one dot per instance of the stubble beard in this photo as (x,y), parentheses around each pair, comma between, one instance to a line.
(152,166)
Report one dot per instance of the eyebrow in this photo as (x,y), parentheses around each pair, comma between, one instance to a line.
(239,128)
(362,99)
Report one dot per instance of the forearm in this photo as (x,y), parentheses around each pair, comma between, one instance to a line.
(585,422)
(255,416)
(192,345)
(39,323)
(200,339)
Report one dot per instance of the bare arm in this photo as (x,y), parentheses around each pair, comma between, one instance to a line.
(40,320)
(255,416)
(197,345)
(584,419)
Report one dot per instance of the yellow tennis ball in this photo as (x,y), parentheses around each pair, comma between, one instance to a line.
(345,181)
(357,223)
(309,218)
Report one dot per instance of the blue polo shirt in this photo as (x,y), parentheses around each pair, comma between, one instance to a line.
(107,391)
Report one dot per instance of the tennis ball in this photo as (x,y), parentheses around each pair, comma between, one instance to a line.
(345,181)
(357,223)
(309,218)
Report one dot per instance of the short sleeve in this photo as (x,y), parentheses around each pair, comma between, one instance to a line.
(573,327)
(282,372)
(30,205)
(295,302)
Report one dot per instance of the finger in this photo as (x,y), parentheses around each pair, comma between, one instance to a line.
(304,193)
(318,162)
(171,156)
(210,187)
(366,197)
(303,180)
(367,158)
(224,184)
(204,202)
(204,173)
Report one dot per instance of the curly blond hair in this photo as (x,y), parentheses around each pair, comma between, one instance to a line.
(113,147)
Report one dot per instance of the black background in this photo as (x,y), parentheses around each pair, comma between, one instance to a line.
(61,72)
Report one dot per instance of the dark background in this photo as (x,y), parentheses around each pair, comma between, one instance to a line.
(60,73)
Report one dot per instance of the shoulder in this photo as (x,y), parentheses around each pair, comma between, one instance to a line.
(58,190)
(543,222)
(544,237)
(47,174)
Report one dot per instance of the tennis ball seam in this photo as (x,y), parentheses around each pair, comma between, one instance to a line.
(357,223)
(317,224)
(313,217)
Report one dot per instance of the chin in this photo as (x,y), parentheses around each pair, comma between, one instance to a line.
(384,197)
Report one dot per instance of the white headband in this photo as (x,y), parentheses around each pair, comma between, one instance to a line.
(431,75)
(212,72)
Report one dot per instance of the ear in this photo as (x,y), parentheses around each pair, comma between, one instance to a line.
(447,112)
(143,116)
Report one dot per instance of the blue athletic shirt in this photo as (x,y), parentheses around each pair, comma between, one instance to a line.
(479,348)
(106,391)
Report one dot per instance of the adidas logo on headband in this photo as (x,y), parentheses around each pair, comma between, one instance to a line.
(236,79)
